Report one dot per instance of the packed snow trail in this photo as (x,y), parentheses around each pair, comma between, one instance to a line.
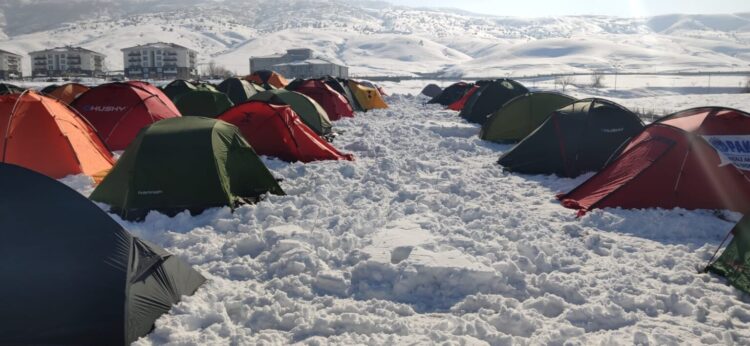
(424,239)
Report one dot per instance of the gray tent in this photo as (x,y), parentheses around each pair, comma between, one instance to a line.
(71,274)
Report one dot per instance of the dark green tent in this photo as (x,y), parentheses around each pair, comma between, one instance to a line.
(490,96)
(578,138)
(180,86)
(177,88)
(522,115)
(202,102)
(350,96)
(71,274)
(183,163)
(339,87)
(452,93)
(431,90)
(734,262)
(238,90)
(6,88)
(311,113)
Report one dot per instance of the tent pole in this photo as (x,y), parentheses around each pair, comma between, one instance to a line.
(711,260)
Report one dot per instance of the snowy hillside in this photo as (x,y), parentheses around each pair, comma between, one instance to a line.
(375,38)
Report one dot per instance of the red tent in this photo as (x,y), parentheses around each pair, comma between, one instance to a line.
(694,159)
(277,131)
(459,105)
(332,102)
(119,110)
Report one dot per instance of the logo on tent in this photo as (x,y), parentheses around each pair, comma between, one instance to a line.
(150,192)
(733,150)
(92,108)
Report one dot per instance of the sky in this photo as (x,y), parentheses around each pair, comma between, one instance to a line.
(622,8)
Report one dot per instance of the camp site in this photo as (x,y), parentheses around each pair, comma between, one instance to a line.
(339,172)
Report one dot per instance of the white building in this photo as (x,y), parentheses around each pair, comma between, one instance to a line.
(298,63)
(10,65)
(66,61)
(159,61)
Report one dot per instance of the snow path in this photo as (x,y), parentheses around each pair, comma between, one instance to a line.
(424,239)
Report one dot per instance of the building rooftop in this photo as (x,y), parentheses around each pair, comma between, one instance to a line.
(7,52)
(158,45)
(316,61)
(67,49)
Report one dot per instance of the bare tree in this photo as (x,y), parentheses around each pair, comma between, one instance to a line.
(746,88)
(563,81)
(597,80)
(215,71)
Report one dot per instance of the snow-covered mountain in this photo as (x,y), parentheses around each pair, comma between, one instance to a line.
(376,38)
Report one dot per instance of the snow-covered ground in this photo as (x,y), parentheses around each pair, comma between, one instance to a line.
(424,240)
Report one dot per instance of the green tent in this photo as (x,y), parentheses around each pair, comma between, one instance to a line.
(180,86)
(734,262)
(575,139)
(203,102)
(521,115)
(71,274)
(238,90)
(311,113)
(183,163)
(490,97)
(6,88)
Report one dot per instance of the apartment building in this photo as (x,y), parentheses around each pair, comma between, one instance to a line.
(67,62)
(159,60)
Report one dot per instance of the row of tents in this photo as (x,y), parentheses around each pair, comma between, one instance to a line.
(96,284)
(163,147)
(694,159)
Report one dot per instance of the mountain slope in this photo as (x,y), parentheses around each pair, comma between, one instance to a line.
(376,38)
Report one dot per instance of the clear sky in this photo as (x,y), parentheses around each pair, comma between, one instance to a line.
(623,8)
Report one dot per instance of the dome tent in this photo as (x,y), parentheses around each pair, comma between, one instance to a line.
(346,91)
(267,79)
(693,159)
(203,102)
(185,163)
(578,138)
(461,103)
(489,98)
(335,104)
(311,113)
(48,89)
(6,88)
(452,93)
(72,274)
(68,92)
(521,116)
(734,262)
(46,135)
(119,110)
(277,131)
(238,90)
(431,90)
(178,87)
(368,97)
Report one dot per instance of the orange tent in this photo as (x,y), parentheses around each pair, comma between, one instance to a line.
(68,92)
(46,135)
(266,77)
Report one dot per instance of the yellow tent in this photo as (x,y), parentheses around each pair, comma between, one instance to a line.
(367,97)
